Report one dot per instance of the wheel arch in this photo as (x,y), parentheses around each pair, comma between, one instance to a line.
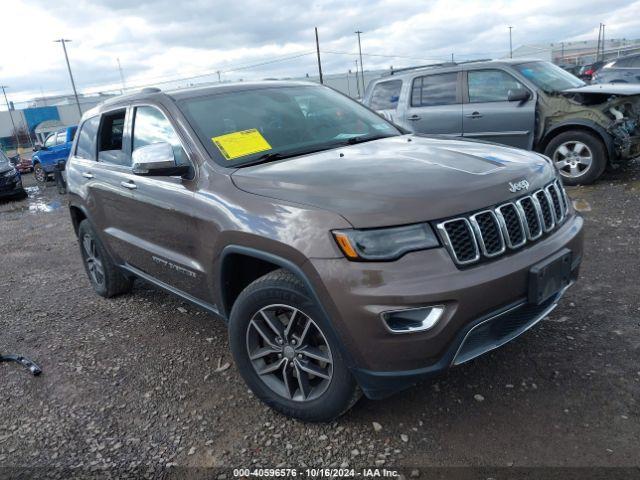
(581,125)
(225,271)
(78,214)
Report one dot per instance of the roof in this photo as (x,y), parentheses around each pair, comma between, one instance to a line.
(48,126)
(178,94)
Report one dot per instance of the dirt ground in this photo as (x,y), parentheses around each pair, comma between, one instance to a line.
(144,384)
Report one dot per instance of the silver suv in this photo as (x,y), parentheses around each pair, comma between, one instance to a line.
(527,104)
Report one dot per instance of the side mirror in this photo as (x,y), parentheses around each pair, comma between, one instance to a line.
(156,160)
(518,95)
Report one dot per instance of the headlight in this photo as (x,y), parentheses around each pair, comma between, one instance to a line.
(385,243)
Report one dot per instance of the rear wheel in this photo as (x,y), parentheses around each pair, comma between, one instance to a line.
(106,278)
(580,157)
(286,351)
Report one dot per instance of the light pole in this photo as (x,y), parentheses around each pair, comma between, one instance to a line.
(358,32)
(318,53)
(73,84)
(510,44)
(13,125)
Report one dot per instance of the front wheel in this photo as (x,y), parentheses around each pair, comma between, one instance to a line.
(580,157)
(39,174)
(286,351)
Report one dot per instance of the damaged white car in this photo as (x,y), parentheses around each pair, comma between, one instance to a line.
(523,103)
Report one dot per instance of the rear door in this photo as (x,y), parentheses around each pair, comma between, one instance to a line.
(435,104)
(489,115)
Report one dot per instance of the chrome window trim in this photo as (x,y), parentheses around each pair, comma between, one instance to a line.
(505,230)
(480,238)
(447,241)
(526,222)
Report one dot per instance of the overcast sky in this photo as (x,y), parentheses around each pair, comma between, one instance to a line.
(159,40)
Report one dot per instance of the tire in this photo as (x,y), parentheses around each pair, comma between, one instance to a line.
(308,397)
(39,174)
(579,156)
(106,278)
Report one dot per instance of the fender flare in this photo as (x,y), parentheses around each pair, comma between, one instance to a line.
(287,265)
(605,136)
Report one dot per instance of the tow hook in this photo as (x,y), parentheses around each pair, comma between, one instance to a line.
(24,361)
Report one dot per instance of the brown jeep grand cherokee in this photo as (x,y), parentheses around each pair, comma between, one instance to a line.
(344,254)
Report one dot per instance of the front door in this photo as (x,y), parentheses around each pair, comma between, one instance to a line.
(489,115)
(161,229)
(435,105)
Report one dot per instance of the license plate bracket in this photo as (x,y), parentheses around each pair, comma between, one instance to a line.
(549,276)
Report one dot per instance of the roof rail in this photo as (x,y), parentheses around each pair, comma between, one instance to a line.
(433,65)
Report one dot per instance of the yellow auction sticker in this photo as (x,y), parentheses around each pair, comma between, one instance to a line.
(240,144)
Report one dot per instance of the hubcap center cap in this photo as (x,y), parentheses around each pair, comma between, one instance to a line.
(289,352)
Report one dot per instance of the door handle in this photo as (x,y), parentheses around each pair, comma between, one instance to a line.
(87,175)
(130,185)
(413,118)
(474,115)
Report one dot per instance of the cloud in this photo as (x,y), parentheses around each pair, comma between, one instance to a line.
(157,40)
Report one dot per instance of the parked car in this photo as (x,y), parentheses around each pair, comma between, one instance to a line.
(572,69)
(621,70)
(533,105)
(23,164)
(343,253)
(587,72)
(56,147)
(10,179)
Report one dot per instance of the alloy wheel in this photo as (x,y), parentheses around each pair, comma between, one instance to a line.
(573,159)
(92,259)
(289,352)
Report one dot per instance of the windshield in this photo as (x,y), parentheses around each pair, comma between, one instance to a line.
(251,126)
(549,77)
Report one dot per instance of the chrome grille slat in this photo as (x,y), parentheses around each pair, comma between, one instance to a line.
(511,225)
(451,231)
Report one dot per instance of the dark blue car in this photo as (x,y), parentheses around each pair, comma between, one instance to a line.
(56,147)
(10,180)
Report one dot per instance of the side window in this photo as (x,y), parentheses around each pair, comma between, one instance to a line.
(490,86)
(151,126)
(86,147)
(432,90)
(110,139)
(61,137)
(385,95)
(50,141)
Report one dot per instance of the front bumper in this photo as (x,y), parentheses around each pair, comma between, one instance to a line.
(493,294)
(10,187)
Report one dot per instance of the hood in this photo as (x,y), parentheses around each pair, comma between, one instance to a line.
(399,180)
(607,89)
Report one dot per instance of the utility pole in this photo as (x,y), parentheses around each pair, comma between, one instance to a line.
(452,60)
(562,52)
(510,44)
(318,52)
(348,83)
(357,81)
(63,41)
(598,45)
(121,76)
(603,25)
(15,132)
(219,78)
(358,32)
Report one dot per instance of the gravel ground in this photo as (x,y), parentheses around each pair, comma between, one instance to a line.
(145,384)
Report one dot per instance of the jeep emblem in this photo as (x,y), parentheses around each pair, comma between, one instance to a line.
(516,187)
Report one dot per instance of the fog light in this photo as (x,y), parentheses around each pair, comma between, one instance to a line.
(412,319)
